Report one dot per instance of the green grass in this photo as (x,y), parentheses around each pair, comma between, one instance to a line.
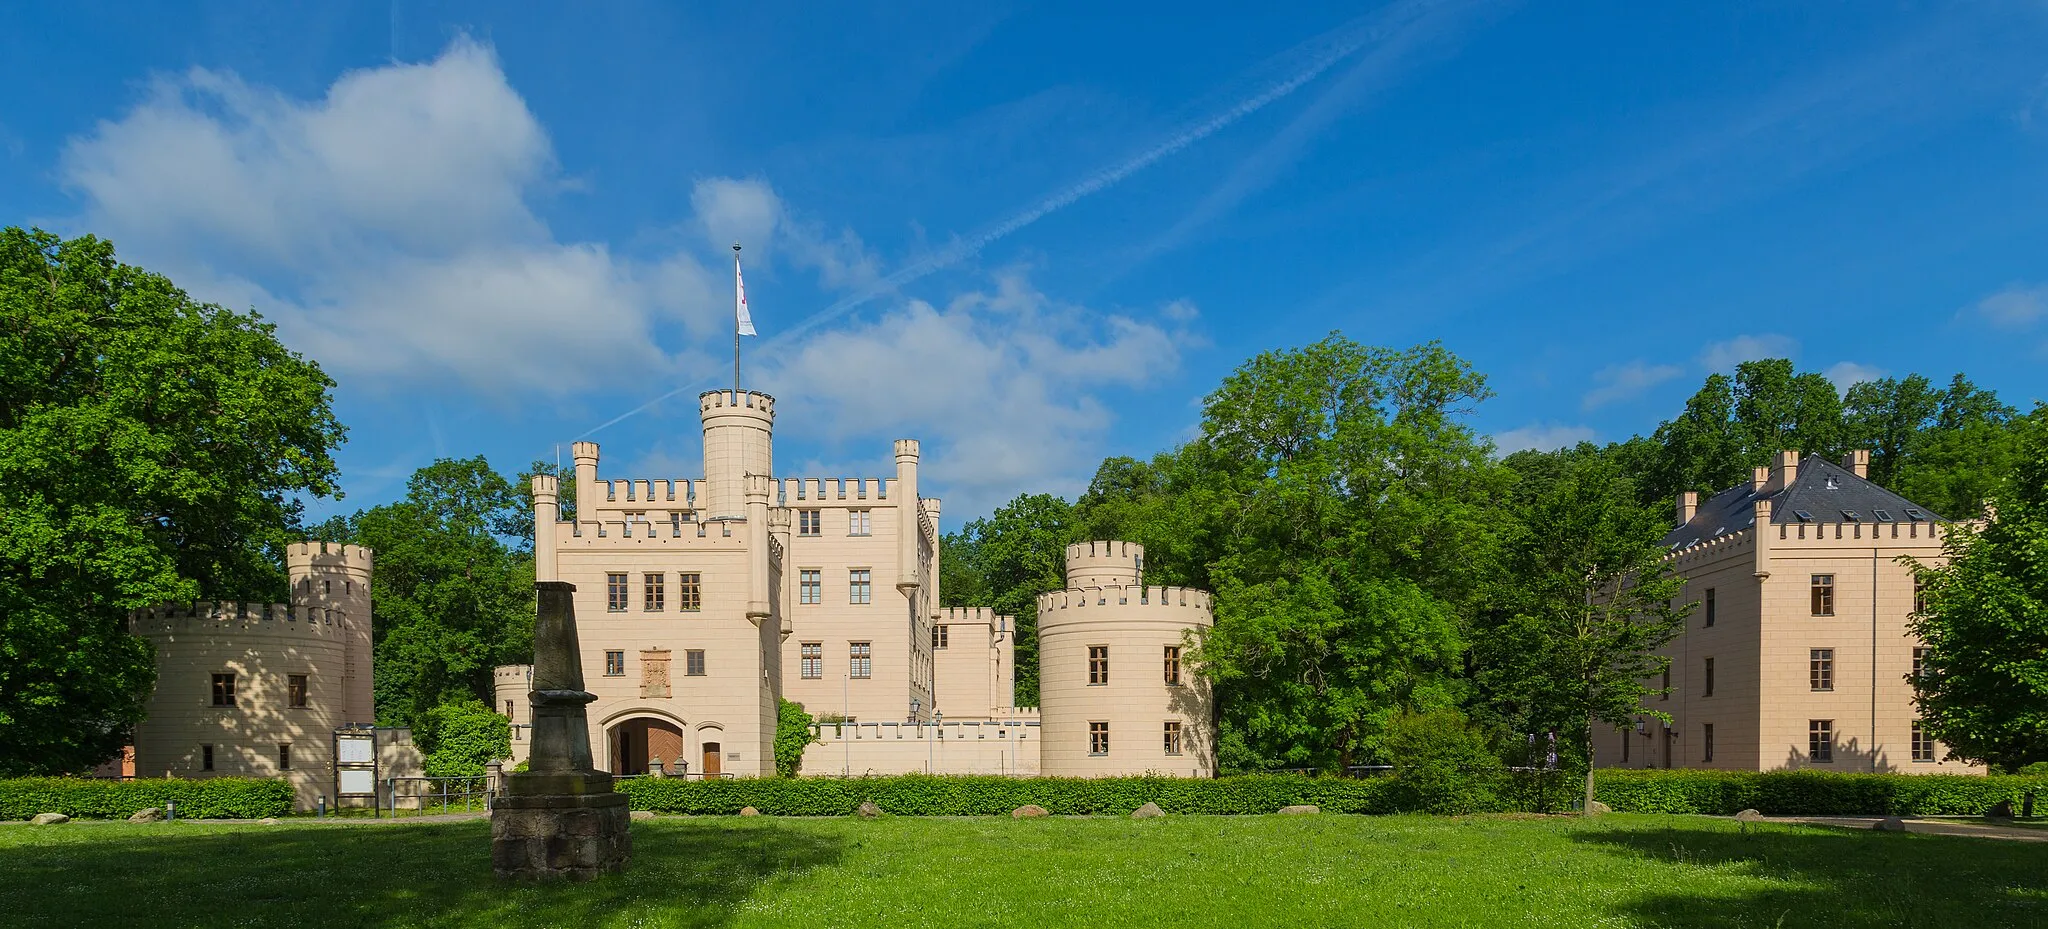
(1250,871)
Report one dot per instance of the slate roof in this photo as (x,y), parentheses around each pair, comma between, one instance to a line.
(1824,489)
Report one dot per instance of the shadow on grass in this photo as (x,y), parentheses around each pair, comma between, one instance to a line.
(685,873)
(1820,876)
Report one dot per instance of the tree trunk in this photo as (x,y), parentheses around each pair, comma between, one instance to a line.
(1588,808)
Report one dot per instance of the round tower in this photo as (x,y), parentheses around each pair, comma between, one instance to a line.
(332,579)
(510,685)
(1117,695)
(739,429)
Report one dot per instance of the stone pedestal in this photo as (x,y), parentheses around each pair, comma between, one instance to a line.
(561,820)
(560,827)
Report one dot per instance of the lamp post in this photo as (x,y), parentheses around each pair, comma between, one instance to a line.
(916,706)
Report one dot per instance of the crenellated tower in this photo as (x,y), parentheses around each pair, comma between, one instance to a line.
(739,431)
(333,579)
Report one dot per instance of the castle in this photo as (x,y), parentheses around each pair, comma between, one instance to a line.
(258,689)
(1797,653)
(701,602)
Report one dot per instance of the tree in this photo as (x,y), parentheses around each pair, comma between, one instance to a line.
(1345,506)
(1964,457)
(452,596)
(792,733)
(1584,601)
(1984,687)
(462,737)
(152,449)
(1012,556)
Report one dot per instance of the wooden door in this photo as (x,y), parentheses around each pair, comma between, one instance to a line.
(711,767)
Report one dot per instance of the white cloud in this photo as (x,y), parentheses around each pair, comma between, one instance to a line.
(1542,437)
(1003,383)
(1620,382)
(1725,355)
(1847,374)
(2016,307)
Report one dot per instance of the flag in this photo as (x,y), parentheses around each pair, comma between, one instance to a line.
(746,322)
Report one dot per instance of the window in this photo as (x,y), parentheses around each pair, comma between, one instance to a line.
(1883,516)
(1823,595)
(327,588)
(615,664)
(1098,738)
(1707,741)
(1709,678)
(1820,741)
(295,690)
(655,592)
(1098,664)
(860,660)
(689,592)
(811,660)
(205,757)
(809,588)
(859,589)
(615,593)
(693,663)
(508,709)
(1173,666)
(1710,606)
(1820,668)
(809,522)
(859,523)
(1919,662)
(1627,736)
(1923,744)
(1173,739)
(224,690)
(1919,593)
(284,756)
(1666,686)
(1915,515)
(939,636)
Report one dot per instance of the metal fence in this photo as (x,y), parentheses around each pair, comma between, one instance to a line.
(428,795)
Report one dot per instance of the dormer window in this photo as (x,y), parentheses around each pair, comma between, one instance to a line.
(1883,516)
(1804,516)
(1834,484)
(1852,516)
(1915,515)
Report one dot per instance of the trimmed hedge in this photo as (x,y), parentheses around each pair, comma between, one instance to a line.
(1676,791)
(81,798)
(1810,793)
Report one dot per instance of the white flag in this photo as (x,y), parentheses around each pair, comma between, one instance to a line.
(746,322)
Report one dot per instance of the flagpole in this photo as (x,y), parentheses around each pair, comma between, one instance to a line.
(736,328)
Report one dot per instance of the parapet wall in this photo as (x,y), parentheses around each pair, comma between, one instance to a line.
(227,616)
(1104,563)
(1002,747)
(302,558)
(1181,605)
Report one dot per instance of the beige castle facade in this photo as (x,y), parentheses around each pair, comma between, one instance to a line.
(701,602)
(258,689)
(1797,653)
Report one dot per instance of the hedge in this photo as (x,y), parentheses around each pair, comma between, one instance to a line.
(1811,793)
(211,798)
(1673,791)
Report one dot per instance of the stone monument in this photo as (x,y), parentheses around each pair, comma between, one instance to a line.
(560,819)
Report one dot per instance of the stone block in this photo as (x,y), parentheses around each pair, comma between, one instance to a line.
(867,810)
(1889,824)
(1148,811)
(749,811)
(642,815)
(1300,809)
(49,819)
(151,815)
(1749,816)
(1029,811)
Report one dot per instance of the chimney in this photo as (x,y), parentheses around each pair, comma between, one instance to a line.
(1759,477)
(1784,470)
(1688,504)
(1858,462)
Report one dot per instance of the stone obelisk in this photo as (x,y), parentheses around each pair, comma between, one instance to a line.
(560,819)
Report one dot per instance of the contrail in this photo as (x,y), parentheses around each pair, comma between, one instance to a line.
(1323,53)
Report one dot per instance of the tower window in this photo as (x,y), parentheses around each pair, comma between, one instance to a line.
(1707,740)
(939,636)
(284,756)
(1923,744)
(295,691)
(1820,740)
(1820,664)
(1919,661)
(1172,666)
(1823,595)
(1098,664)
(1709,669)
(205,757)
(224,689)
(1710,606)
(1173,737)
(1098,738)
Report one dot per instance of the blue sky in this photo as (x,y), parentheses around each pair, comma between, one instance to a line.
(1036,236)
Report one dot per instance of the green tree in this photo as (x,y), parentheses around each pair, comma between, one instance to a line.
(1984,690)
(1345,506)
(1013,555)
(452,596)
(792,733)
(152,449)
(462,737)
(1583,602)
(1964,457)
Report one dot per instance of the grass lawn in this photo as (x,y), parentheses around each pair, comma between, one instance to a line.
(1238,872)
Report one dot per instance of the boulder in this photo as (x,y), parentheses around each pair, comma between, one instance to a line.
(1300,809)
(50,819)
(1598,808)
(1749,816)
(2002,811)
(867,810)
(151,815)
(266,821)
(1889,824)
(1029,811)
(749,811)
(642,815)
(1148,811)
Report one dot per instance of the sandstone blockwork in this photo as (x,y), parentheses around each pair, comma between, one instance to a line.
(539,839)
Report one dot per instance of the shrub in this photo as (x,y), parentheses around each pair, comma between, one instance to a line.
(211,798)
(792,733)
(1442,764)
(1809,793)
(462,738)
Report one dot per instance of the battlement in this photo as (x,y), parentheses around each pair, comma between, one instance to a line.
(584,451)
(796,491)
(717,534)
(1100,563)
(974,615)
(1716,548)
(1176,604)
(746,403)
(906,448)
(242,618)
(546,487)
(306,557)
(1824,535)
(1022,727)
(759,486)
(778,519)
(511,674)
